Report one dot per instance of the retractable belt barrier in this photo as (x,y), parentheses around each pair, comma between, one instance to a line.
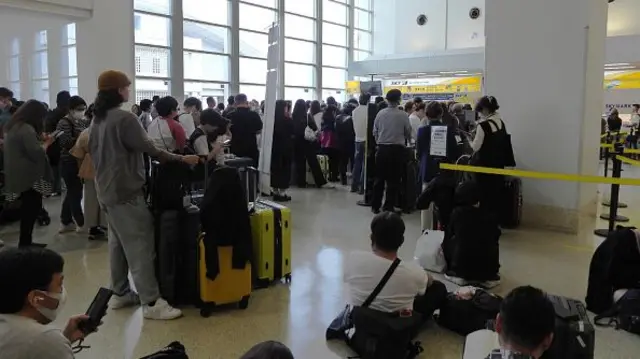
(615,181)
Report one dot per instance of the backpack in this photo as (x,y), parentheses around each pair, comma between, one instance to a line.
(625,314)
(191,143)
(465,316)
(373,334)
(174,350)
(497,150)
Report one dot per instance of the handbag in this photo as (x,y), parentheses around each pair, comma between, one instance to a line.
(429,253)
(309,134)
(374,334)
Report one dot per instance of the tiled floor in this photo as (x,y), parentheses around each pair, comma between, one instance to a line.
(327,224)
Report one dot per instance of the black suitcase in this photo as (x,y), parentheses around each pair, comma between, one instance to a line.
(512,207)
(176,234)
(574,337)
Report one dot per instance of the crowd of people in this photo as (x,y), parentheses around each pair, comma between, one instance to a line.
(101,153)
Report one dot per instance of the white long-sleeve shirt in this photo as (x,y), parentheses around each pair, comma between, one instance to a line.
(479,138)
(360,120)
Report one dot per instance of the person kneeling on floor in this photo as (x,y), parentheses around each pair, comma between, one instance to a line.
(409,289)
(471,241)
(33,296)
(524,328)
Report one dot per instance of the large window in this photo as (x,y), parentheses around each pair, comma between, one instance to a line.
(155,6)
(299,27)
(209,43)
(299,51)
(209,67)
(254,44)
(256,18)
(299,75)
(209,11)
(253,71)
(203,37)
(302,7)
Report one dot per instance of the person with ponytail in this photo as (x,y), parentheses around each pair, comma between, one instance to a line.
(117,142)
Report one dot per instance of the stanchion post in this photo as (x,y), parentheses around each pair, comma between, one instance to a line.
(615,193)
(606,153)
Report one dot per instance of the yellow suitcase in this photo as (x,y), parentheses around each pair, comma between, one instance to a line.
(271,233)
(230,286)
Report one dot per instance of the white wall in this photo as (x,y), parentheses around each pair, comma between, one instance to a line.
(20,27)
(448,27)
(105,42)
(556,50)
(462,31)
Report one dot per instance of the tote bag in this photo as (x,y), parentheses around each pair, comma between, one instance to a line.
(429,253)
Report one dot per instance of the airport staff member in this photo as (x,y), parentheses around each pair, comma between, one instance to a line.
(392,132)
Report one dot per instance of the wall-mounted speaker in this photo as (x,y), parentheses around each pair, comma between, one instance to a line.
(475,13)
(422,19)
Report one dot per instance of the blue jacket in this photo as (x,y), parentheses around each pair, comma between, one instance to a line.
(430,165)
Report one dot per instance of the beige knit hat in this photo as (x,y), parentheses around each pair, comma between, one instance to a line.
(112,80)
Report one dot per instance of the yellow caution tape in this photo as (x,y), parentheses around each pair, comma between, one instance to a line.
(614,134)
(542,175)
(628,160)
(626,150)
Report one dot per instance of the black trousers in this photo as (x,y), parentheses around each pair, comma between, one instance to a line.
(432,300)
(72,203)
(390,165)
(307,153)
(30,208)
(334,162)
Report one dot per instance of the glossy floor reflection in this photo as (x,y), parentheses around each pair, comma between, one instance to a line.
(326,225)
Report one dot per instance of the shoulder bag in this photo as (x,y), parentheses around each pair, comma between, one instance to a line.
(309,134)
(374,334)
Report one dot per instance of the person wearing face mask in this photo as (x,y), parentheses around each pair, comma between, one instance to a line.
(208,138)
(190,117)
(69,129)
(32,298)
(5,105)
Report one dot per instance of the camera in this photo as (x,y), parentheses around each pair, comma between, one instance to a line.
(475,13)
(422,19)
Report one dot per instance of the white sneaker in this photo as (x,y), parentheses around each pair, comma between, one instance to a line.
(128,300)
(329,185)
(161,311)
(66,228)
(81,230)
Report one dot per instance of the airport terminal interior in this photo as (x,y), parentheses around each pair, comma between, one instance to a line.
(558,69)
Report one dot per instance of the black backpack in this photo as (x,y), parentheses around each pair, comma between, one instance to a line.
(625,314)
(465,316)
(376,334)
(174,350)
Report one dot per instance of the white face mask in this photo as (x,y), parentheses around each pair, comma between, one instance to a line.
(77,115)
(52,314)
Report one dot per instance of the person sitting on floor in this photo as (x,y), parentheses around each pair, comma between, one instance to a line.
(470,243)
(409,288)
(268,350)
(33,296)
(525,325)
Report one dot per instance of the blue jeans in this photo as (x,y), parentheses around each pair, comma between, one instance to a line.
(358,168)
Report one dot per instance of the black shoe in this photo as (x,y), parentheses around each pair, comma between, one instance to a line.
(375,210)
(96,233)
(281,198)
